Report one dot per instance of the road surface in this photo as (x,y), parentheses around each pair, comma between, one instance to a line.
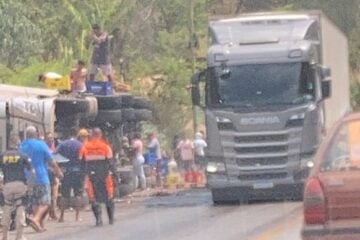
(186,216)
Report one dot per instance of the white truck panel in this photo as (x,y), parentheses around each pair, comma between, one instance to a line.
(335,55)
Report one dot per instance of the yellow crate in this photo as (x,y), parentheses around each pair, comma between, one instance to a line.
(63,83)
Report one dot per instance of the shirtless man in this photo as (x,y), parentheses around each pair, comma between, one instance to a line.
(78,77)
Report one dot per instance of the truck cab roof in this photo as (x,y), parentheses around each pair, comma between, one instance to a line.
(283,37)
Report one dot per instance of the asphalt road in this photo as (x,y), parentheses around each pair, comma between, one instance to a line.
(186,216)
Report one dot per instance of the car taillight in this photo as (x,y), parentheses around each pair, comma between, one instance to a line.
(314,202)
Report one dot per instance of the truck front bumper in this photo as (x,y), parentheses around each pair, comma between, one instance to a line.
(257,190)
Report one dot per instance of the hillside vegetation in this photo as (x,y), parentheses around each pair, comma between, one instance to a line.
(151,44)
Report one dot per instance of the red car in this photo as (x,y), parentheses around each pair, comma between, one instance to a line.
(332,192)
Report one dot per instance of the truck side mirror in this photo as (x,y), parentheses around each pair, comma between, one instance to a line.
(325,72)
(326,88)
(195,90)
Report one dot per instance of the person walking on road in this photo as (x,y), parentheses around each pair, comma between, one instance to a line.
(200,145)
(73,177)
(101,54)
(54,181)
(96,157)
(186,148)
(14,164)
(155,150)
(40,157)
(138,162)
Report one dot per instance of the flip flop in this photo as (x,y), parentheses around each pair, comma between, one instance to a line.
(35,226)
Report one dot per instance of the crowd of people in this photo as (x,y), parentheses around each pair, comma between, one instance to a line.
(33,175)
(189,156)
(39,171)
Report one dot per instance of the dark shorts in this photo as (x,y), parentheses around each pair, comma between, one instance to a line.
(200,161)
(41,195)
(72,181)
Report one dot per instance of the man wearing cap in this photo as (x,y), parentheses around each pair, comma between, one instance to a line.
(96,156)
(73,176)
(13,165)
(40,157)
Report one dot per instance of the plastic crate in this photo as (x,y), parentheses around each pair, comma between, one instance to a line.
(99,88)
(62,83)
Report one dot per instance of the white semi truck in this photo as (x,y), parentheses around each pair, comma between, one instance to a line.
(273,84)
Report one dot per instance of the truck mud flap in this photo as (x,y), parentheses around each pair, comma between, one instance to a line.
(141,103)
(143,115)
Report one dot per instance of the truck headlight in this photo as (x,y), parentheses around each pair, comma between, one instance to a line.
(215,167)
(310,164)
(298,116)
(222,120)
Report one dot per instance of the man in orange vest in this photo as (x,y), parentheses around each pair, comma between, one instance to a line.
(97,162)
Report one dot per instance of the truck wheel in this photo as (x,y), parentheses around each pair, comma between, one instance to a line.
(128,114)
(121,100)
(127,100)
(93,107)
(64,107)
(143,115)
(109,102)
(110,116)
(141,103)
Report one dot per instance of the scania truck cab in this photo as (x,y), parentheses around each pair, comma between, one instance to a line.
(268,101)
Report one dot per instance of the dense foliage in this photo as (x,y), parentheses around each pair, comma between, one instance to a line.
(150,48)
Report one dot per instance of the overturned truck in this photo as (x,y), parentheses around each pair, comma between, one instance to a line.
(117,115)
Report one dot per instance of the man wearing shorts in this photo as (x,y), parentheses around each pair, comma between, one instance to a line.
(13,165)
(73,176)
(41,158)
(78,77)
(101,54)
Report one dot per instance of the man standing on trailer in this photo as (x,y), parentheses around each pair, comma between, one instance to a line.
(101,54)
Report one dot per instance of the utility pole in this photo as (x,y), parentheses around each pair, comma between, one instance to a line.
(193,57)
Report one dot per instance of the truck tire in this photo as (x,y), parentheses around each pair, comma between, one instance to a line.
(117,101)
(143,115)
(128,114)
(109,102)
(93,107)
(126,99)
(69,106)
(141,103)
(110,116)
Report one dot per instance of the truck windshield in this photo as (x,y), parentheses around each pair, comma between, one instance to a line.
(262,84)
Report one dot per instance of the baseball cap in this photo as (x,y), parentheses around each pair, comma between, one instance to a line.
(83,133)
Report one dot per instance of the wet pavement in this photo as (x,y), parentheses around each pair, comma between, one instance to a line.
(183,215)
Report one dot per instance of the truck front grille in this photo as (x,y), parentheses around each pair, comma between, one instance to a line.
(267,149)
(249,162)
(261,138)
(262,176)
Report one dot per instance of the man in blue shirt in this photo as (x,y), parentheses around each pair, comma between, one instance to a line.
(73,176)
(41,158)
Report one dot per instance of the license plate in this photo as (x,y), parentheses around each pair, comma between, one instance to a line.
(263,185)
